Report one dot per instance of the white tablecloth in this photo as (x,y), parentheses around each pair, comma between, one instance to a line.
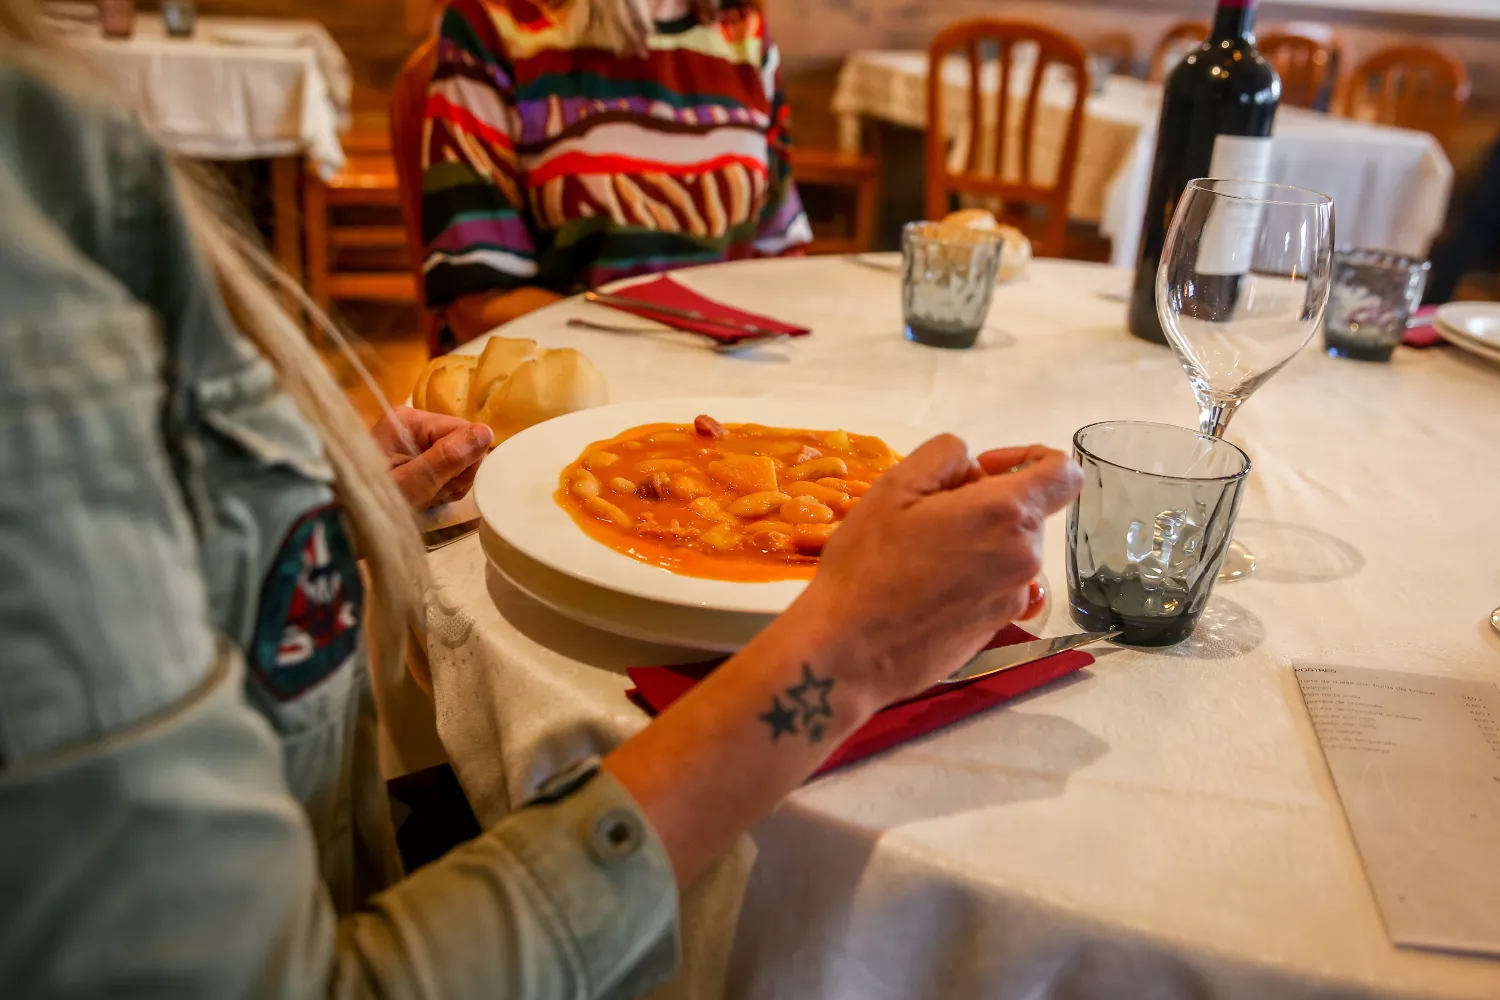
(240,88)
(1390,186)
(1161,826)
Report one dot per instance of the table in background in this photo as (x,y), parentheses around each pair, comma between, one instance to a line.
(1161,826)
(1390,186)
(238,89)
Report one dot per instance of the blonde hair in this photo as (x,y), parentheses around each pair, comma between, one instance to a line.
(250,284)
(621,26)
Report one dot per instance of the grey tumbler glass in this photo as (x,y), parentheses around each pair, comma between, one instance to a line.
(1148,533)
(1374,293)
(948,280)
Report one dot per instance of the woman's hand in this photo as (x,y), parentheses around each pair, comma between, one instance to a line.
(433,457)
(936,559)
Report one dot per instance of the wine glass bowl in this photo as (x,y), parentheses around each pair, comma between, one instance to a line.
(1242,285)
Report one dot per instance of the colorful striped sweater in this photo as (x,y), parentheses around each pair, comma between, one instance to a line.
(560,164)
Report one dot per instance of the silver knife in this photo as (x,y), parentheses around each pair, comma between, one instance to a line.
(605,299)
(439,538)
(997,661)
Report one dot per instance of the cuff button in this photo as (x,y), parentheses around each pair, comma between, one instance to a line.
(616,835)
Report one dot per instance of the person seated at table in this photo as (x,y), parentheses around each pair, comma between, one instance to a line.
(573,142)
(1474,240)
(190,804)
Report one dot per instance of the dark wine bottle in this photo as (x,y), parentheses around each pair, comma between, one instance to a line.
(1217,107)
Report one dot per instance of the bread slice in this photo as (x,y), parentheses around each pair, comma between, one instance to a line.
(501,357)
(971,218)
(448,380)
(1015,259)
(555,383)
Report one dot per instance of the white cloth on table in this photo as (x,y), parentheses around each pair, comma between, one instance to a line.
(1390,186)
(1161,826)
(239,88)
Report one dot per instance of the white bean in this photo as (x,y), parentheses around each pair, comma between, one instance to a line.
(664,465)
(831,465)
(758,504)
(606,511)
(583,484)
(806,510)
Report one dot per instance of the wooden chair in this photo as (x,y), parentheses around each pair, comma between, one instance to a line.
(1305,64)
(368,181)
(408,114)
(1410,86)
(1180,39)
(828,168)
(1117,49)
(1003,36)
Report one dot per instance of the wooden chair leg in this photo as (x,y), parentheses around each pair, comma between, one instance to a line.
(865,205)
(286,173)
(315,198)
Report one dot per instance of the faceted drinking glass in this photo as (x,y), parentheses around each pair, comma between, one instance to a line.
(1147,535)
(948,280)
(1374,294)
(1242,287)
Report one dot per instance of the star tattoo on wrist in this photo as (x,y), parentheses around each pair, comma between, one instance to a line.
(806,707)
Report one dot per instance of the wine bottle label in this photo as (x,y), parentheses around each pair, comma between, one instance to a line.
(1228,243)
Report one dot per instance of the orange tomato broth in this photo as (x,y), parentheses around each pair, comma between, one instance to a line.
(678,516)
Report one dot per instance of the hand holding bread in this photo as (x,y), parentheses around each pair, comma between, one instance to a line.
(513,385)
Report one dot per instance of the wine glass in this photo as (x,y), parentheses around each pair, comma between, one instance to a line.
(1242,286)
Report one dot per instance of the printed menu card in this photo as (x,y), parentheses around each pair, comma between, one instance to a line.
(1416,760)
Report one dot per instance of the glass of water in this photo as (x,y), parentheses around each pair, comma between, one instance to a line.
(1147,535)
(948,280)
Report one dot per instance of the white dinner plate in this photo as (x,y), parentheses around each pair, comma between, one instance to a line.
(1473,326)
(516,483)
(650,621)
(621,614)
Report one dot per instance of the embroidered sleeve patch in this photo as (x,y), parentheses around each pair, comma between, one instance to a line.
(311,606)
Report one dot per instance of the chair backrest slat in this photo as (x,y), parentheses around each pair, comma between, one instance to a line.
(408,116)
(1305,64)
(974,40)
(1409,86)
(1178,37)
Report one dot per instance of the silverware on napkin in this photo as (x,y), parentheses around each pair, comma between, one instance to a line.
(722,346)
(997,661)
(621,302)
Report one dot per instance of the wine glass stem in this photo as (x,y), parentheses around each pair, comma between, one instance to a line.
(1213,419)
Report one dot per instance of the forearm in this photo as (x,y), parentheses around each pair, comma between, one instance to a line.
(475,315)
(723,756)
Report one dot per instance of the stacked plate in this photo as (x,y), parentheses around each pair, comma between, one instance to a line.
(535,544)
(1473,326)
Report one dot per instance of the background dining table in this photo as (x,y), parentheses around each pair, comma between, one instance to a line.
(1162,824)
(238,89)
(1390,186)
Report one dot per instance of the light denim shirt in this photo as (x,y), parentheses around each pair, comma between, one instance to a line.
(189,800)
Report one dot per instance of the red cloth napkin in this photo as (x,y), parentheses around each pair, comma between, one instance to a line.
(658,687)
(666,292)
(1424,332)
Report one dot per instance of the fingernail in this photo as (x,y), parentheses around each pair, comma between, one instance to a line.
(480,437)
